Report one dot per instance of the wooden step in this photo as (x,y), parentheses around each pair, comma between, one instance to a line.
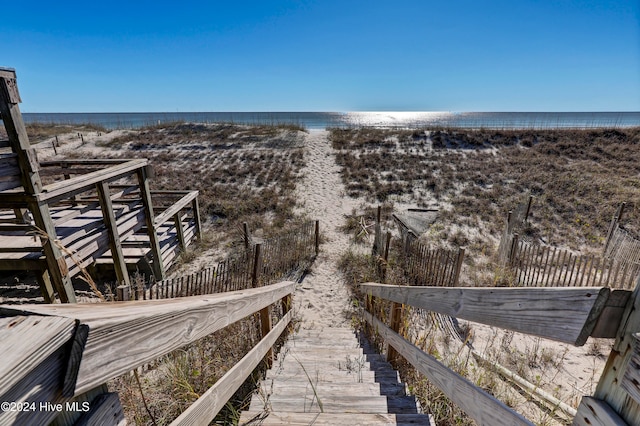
(318,376)
(319,344)
(332,419)
(330,404)
(321,353)
(276,387)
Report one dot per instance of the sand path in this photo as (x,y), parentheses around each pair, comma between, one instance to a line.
(322,300)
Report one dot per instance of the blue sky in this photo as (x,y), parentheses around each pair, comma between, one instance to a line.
(447,55)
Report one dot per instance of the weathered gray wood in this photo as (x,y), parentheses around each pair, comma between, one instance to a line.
(610,387)
(76,185)
(175,208)
(125,335)
(196,218)
(157,265)
(74,408)
(45,286)
(14,126)
(211,402)
(56,263)
(565,314)
(105,410)
(340,403)
(609,321)
(177,222)
(596,412)
(478,404)
(114,236)
(33,363)
(631,380)
(27,341)
(331,419)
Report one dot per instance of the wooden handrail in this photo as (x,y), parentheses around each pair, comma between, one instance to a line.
(121,336)
(215,398)
(81,183)
(175,208)
(90,161)
(478,404)
(565,314)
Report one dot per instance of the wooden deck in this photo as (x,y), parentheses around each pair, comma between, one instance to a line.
(84,238)
(331,377)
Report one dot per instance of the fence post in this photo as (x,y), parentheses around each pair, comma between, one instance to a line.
(123,292)
(375,250)
(397,310)
(512,251)
(526,214)
(245,231)
(317,240)
(385,258)
(256,267)
(459,259)
(612,227)
(265,328)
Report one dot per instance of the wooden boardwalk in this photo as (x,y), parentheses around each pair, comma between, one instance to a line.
(331,377)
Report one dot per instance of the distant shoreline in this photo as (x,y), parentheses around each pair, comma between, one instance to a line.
(322,120)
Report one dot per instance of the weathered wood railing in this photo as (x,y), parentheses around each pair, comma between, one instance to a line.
(58,354)
(565,314)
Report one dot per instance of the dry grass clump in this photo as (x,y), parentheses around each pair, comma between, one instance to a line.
(578,176)
(178,379)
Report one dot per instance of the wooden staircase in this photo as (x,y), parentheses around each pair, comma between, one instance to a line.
(331,377)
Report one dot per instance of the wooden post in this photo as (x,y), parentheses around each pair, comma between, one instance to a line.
(376,250)
(112,229)
(196,218)
(30,180)
(256,266)
(45,286)
(397,309)
(180,231)
(317,237)
(611,398)
(612,226)
(265,328)
(458,268)
(514,249)
(53,145)
(245,232)
(158,266)
(123,292)
(57,143)
(526,214)
(385,258)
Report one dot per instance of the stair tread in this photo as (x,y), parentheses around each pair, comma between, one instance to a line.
(332,419)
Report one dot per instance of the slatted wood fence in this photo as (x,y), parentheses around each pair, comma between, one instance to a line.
(433,267)
(286,256)
(420,264)
(537,265)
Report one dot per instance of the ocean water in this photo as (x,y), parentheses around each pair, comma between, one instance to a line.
(322,120)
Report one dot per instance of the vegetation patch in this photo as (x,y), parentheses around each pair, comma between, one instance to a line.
(579,177)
